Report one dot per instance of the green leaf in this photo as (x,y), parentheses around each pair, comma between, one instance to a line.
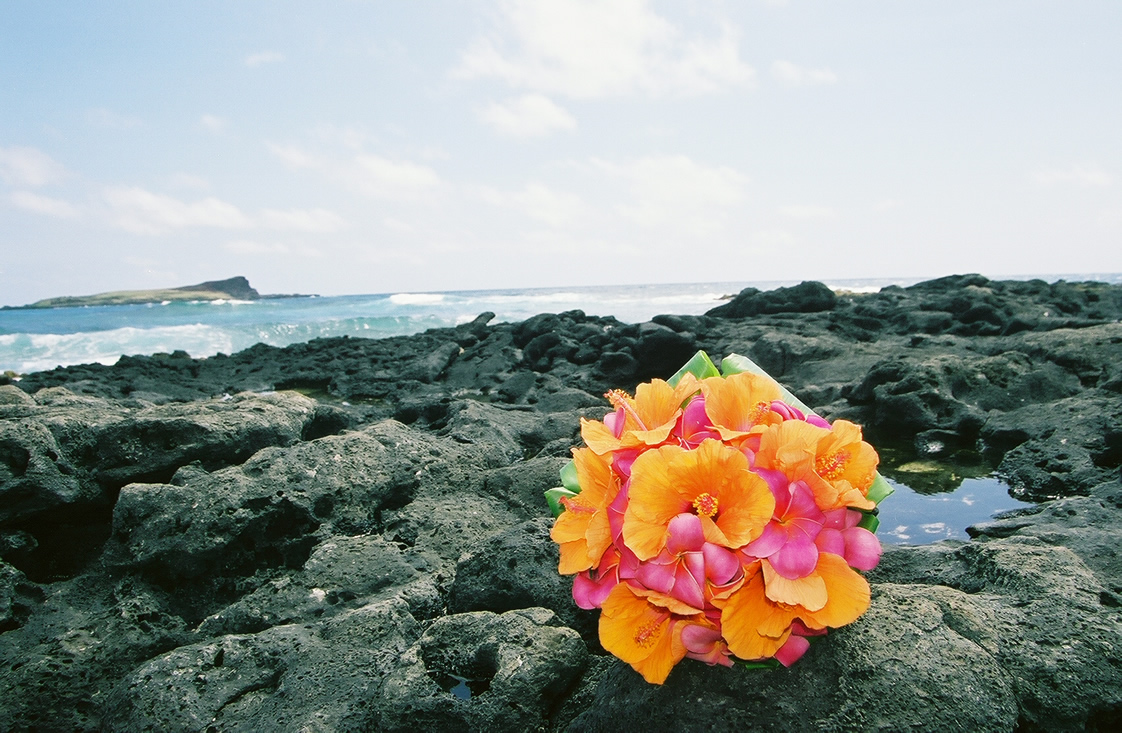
(869,522)
(569,477)
(700,365)
(761,664)
(738,364)
(554,496)
(880,490)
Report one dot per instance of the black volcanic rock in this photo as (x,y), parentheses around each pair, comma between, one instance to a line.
(806,297)
(192,544)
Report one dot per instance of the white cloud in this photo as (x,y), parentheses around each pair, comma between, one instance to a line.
(371,175)
(302,220)
(598,48)
(1079,175)
(531,115)
(383,177)
(251,247)
(44,205)
(213,123)
(796,76)
(143,212)
(20,166)
(103,117)
(263,57)
(539,202)
(677,192)
(807,212)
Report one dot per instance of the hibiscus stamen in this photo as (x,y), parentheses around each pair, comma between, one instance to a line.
(622,401)
(830,466)
(574,504)
(705,504)
(759,412)
(648,633)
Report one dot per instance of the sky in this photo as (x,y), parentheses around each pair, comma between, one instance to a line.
(366,147)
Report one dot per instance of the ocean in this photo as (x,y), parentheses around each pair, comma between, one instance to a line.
(35,340)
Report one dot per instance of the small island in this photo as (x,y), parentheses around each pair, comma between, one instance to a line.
(234,288)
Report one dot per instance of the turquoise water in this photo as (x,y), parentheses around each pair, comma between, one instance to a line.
(34,340)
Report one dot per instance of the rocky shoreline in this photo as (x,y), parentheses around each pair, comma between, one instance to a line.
(349,534)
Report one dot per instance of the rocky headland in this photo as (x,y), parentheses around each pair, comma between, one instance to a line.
(350,534)
(236,288)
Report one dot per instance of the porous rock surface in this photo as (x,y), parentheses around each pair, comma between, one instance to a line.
(193,545)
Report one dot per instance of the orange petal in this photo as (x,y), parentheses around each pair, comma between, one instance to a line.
(657,403)
(640,634)
(653,500)
(740,401)
(598,436)
(848,593)
(574,557)
(810,591)
(754,626)
(570,526)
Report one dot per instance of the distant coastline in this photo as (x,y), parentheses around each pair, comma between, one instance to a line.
(234,288)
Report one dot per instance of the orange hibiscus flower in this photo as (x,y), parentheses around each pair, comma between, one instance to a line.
(755,625)
(646,636)
(642,421)
(712,481)
(740,404)
(583,530)
(836,464)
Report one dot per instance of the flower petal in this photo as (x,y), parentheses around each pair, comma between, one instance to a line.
(792,650)
(808,592)
(797,558)
(862,548)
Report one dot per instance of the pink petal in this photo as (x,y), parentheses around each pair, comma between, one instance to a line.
(768,543)
(622,460)
(835,518)
(615,514)
(628,563)
(852,517)
(797,558)
(786,411)
(792,650)
(590,594)
(615,422)
(802,504)
(694,419)
(817,421)
(797,627)
(831,540)
(686,534)
(699,639)
(687,588)
(862,548)
(721,566)
(658,575)
(780,487)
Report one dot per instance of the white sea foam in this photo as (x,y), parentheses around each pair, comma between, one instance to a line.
(416,298)
(30,352)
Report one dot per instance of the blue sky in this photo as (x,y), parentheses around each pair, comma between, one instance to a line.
(361,147)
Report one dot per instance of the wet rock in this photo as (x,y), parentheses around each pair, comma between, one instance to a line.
(216,433)
(518,569)
(288,677)
(482,671)
(263,513)
(806,297)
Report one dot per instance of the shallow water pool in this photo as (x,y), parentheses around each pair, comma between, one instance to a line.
(908,517)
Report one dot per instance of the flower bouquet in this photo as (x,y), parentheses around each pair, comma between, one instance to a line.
(715,516)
